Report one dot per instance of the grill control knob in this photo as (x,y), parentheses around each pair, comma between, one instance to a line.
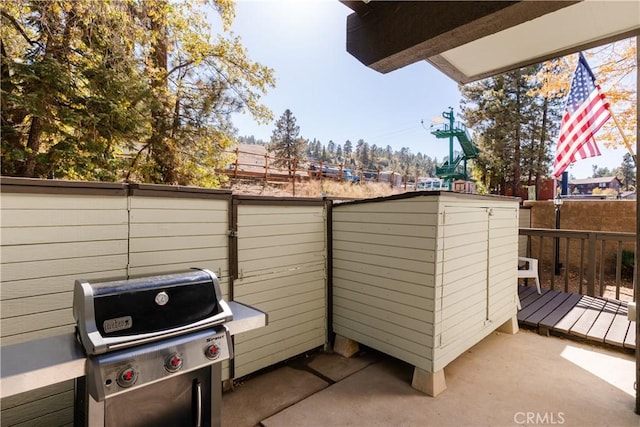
(127,377)
(173,363)
(212,351)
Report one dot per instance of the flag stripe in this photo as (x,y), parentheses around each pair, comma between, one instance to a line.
(586,111)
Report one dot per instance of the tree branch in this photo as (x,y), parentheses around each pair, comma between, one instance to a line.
(18,27)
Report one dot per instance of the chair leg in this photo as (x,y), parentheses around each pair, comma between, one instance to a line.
(538,285)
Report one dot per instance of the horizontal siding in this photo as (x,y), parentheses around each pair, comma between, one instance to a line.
(47,243)
(282,271)
(383,276)
(46,406)
(170,234)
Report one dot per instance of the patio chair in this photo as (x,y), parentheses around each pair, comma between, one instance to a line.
(531,272)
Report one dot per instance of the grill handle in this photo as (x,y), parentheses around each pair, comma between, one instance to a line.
(198,391)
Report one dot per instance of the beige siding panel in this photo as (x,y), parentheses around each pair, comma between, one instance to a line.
(414,219)
(282,218)
(53,285)
(178,229)
(279,209)
(373,238)
(42,252)
(282,319)
(279,280)
(36,304)
(246,341)
(33,413)
(384,329)
(386,251)
(309,290)
(273,335)
(456,238)
(420,330)
(28,201)
(174,243)
(277,352)
(388,273)
(32,322)
(37,394)
(62,217)
(177,215)
(284,240)
(278,251)
(288,301)
(140,202)
(385,293)
(276,231)
(356,278)
(467,271)
(37,334)
(411,206)
(392,345)
(47,235)
(281,253)
(385,229)
(162,256)
(273,265)
(218,267)
(398,262)
(348,295)
(59,267)
(420,360)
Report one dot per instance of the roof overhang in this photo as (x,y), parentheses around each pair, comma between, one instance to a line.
(470,40)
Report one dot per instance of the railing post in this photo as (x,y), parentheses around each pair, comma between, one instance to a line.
(591,263)
(235,169)
(295,166)
(266,167)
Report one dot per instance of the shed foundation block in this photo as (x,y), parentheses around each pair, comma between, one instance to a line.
(510,326)
(345,347)
(430,383)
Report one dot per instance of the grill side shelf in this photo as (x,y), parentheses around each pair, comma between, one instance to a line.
(46,361)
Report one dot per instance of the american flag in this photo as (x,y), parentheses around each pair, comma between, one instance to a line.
(586,111)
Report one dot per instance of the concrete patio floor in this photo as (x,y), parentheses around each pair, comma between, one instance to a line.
(522,379)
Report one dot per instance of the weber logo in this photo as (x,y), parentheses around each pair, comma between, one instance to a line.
(117,324)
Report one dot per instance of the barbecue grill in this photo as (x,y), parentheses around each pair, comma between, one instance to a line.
(154,347)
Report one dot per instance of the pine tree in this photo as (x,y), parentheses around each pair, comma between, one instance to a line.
(286,143)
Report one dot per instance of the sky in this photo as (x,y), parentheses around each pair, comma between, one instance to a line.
(335,97)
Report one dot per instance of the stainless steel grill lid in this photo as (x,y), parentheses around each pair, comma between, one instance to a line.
(124,313)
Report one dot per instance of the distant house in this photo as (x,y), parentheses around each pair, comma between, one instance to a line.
(586,186)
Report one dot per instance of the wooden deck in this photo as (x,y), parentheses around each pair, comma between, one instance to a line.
(578,316)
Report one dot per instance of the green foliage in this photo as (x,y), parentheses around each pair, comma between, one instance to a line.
(116,90)
(286,143)
(514,127)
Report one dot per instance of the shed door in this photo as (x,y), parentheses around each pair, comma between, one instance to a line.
(465,266)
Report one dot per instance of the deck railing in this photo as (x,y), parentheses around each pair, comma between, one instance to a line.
(594,263)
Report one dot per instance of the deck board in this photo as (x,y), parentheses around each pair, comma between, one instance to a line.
(588,318)
(619,327)
(566,323)
(591,318)
(600,327)
(560,312)
(546,310)
(537,304)
(529,297)
(630,339)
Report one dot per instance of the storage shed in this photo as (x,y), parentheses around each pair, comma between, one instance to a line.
(424,276)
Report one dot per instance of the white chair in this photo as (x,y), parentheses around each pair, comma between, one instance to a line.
(531,272)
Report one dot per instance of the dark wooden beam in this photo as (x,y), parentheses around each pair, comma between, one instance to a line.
(386,36)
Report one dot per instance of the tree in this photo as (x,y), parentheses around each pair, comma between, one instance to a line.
(86,84)
(627,171)
(348,149)
(513,129)
(286,144)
